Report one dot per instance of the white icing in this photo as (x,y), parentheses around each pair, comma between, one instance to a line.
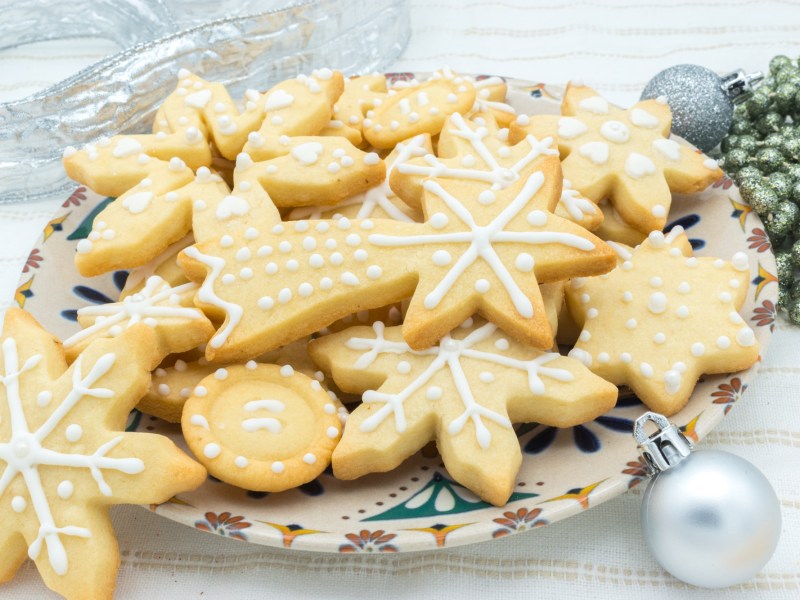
(597,152)
(198,99)
(615,131)
(570,127)
(137,202)
(594,104)
(481,240)
(448,356)
(126,146)
(152,301)
(642,118)
(24,452)
(667,148)
(271,424)
(232,206)
(307,153)
(637,165)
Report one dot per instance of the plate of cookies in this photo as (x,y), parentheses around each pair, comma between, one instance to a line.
(412,311)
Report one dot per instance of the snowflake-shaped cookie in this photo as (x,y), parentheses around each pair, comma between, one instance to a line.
(476,151)
(64,455)
(465,393)
(660,320)
(624,155)
(178,325)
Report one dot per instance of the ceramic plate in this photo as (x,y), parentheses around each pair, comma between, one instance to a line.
(418,506)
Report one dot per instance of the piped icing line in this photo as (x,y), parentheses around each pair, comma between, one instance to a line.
(448,355)
(24,453)
(498,176)
(576,205)
(136,308)
(207,295)
(480,241)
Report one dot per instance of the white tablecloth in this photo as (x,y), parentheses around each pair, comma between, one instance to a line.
(616,46)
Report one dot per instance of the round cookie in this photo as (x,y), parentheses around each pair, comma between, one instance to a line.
(261,427)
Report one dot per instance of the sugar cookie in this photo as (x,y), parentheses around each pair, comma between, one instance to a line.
(660,320)
(261,427)
(465,393)
(624,155)
(65,456)
(178,325)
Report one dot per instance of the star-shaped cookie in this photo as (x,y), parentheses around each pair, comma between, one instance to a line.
(623,155)
(660,320)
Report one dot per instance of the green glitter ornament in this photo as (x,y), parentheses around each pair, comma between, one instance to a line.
(794,194)
(793,171)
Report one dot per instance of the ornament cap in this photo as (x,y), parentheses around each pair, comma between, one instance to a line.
(664,449)
(738,85)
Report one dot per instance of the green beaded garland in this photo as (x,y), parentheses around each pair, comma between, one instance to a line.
(749,143)
(794,312)
(794,254)
(791,148)
(784,296)
(758,105)
(743,126)
(779,62)
(736,159)
(769,123)
(793,171)
(784,98)
(762,198)
(773,140)
(781,184)
(782,219)
(748,174)
(783,264)
(768,159)
(730,142)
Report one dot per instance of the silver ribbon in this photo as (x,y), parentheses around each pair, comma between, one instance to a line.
(121,93)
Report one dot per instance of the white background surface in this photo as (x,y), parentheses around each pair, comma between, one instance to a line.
(615,46)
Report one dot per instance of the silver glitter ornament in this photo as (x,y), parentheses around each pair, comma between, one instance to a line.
(701,101)
(709,517)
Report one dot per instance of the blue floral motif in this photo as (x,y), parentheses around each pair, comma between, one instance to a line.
(582,435)
(687,222)
(93,296)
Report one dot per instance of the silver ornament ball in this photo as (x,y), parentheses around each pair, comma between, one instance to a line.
(712,520)
(702,112)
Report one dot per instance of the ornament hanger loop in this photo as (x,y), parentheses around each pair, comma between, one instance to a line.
(665,448)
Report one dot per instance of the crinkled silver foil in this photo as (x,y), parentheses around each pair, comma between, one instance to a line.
(121,93)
